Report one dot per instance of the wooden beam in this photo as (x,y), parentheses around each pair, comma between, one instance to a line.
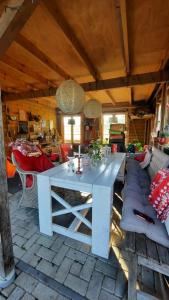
(120,6)
(128,81)
(111,97)
(125,34)
(12,21)
(6,251)
(26,70)
(132,96)
(29,46)
(70,35)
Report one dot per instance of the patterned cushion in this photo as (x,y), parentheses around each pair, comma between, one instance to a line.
(159,198)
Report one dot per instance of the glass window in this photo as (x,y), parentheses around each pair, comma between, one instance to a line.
(110,119)
(72,133)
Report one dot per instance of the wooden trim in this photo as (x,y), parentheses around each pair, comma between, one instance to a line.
(71,36)
(128,81)
(6,250)
(14,21)
(29,46)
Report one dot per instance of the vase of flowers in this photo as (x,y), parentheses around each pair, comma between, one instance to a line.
(95,152)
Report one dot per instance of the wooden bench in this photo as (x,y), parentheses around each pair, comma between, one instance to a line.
(144,252)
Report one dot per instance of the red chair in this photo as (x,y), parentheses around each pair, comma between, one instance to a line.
(28,168)
(65,150)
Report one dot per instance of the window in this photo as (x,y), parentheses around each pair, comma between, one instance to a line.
(109,119)
(72,133)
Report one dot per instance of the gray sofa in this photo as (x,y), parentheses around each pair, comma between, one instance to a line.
(135,196)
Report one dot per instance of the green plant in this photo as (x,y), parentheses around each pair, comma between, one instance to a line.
(95,150)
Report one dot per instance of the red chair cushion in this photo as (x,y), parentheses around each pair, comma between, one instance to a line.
(65,150)
(38,164)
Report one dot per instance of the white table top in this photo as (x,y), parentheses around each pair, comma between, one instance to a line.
(103,174)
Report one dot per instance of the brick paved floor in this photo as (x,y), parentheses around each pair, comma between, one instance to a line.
(61,268)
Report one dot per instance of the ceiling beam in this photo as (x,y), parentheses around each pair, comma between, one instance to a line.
(111,97)
(71,36)
(128,81)
(29,46)
(123,28)
(22,68)
(164,66)
(12,21)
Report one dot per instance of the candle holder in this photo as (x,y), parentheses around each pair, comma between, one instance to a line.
(78,168)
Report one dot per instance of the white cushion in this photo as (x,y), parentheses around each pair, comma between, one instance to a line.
(146,160)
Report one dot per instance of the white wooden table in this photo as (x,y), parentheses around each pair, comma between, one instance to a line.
(96,180)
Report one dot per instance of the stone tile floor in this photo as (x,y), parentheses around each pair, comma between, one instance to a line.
(61,268)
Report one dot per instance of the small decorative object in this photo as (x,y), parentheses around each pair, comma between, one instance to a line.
(71,121)
(93,109)
(113,119)
(79,167)
(22,115)
(71,164)
(70,97)
(85,160)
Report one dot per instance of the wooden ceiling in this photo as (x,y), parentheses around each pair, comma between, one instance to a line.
(90,40)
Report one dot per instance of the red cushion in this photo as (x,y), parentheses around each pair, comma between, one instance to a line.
(38,164)
(65,149)
(26,163)
(159,177)
(42,163)
(140,157)
(159,198)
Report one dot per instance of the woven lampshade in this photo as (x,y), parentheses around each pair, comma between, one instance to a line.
(93,109)
(70,97)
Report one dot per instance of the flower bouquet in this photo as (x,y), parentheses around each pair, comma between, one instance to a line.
(95,151)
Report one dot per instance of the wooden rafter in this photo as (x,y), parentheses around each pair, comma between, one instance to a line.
(123,14)
(111,97)
(22,68)
(69,33)
(132,96)
(12,21)
(29,46)
(128,81)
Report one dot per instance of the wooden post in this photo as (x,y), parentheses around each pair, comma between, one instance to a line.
(7,270)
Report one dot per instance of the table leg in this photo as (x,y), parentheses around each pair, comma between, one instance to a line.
(45,205)
(101,220)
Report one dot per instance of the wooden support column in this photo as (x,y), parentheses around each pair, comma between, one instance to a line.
(163,105)
(7,270)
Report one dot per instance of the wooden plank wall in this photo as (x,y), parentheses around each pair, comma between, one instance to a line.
(137,130)
(46,113)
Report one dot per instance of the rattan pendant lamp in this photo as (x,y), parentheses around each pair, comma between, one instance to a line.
(70,97)
(93,109)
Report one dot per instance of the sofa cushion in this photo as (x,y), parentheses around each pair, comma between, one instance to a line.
(159,160)
(156,232)
(145,163)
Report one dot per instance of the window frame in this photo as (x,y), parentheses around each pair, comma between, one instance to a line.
(72,141)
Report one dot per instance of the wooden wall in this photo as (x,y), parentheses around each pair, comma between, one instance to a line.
(46,113)
(139,130)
